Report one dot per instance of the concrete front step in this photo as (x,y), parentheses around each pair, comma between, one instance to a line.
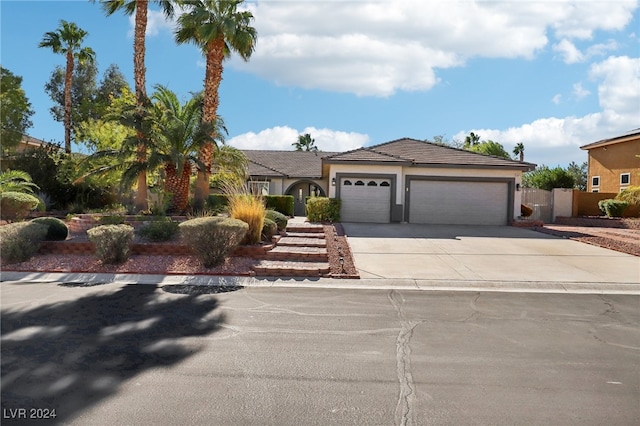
(318,254)
(305,227)
(289,241)
(291,269)
(305,234)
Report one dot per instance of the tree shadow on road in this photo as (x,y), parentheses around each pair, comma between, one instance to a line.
(68,356)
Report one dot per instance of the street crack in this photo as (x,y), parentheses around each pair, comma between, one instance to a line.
(403,414)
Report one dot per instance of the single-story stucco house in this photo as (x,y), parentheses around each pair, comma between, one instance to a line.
(405,180)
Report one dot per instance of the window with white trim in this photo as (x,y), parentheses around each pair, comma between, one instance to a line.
(259,188)
(625,178)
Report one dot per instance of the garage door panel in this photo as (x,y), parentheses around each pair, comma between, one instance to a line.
(362,203)
(459,203)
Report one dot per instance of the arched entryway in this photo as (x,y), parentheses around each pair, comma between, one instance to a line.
(302,190)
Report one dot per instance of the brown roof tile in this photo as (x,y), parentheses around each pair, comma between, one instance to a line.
(412,151)
(292,164)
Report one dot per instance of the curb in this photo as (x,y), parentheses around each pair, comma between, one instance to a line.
(330,283)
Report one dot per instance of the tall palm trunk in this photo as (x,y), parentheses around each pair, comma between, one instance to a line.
(68,81)
(139,72)
(177,186)
(212,79)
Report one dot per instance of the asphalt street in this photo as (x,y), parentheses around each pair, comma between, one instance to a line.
(117,354)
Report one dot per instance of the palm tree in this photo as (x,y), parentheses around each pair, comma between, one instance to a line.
(140,7)
(175,134)
(16,181)
(305,143)
(519,150)
(67,40)
(218,28)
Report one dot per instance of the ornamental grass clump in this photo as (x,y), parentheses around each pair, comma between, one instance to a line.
(212,239)
(19,241)
(112,243)
(249,209)
(57,230)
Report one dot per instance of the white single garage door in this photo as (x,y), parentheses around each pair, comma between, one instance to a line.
(365,200)
(459,203)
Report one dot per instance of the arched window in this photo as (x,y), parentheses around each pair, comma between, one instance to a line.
(347,182)
(384,184)
(359,183)
(372,183)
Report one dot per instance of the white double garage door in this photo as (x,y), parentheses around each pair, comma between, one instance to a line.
(427,201)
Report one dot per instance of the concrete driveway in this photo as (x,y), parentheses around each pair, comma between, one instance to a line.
(482,253)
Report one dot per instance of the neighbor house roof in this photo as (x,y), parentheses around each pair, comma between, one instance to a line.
(412,152)
(629,136)
(286,164)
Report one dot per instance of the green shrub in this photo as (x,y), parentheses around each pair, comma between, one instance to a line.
(631,195)
(212,238)
(269,229)
(216,202)
(19,241)
(249,209)
(16,205)
(280,219)
(112,219)
(612,208)
(111,242)
(159,230)
(323,209)
(280,203)
(56,229)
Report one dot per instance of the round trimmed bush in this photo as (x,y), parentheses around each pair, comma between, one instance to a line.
(269,229)
(211,239)
(19,241)
(56,229)
(112,242)
(16,205)
(159,230)
(280,219)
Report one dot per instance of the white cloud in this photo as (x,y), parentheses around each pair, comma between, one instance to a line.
(557,140)
(373,48)
(282,137)
(570,53)
(580,92)
(557,99)
(376,48)
(156,22)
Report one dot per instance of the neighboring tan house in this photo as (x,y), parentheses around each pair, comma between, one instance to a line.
(29,142)
(614,164)
(405,180)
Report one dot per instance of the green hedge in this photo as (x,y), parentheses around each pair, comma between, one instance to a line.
(269,229)
(280,219)
(217,202)
(323,209)
(280,203)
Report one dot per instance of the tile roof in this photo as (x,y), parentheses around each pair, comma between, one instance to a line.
(414,152)
(631,135)
(286,164)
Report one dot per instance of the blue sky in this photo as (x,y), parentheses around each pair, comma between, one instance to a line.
(554,75)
